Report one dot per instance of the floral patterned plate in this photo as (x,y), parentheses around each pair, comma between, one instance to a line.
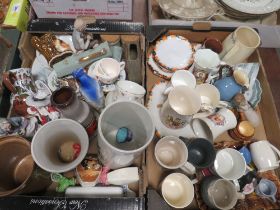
(155,101)
(173,53)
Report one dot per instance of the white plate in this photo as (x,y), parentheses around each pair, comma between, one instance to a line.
(156,99)
(106,87)
(254,6)
(157,70)
(173,53)
(204,11)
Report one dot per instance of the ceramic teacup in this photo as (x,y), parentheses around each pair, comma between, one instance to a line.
(108,70)
(264,155)
(128,90)
(229,164)
(177,190)
(202,153)
(239,45)
(267,189)
(213,44)
(212,126)
(172,153)
(219,193)
(206,60)
(181,103)
(181,78)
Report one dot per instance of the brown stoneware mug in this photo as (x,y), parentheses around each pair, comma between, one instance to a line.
(19,173)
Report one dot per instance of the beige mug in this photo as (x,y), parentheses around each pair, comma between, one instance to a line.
(172,153)
(178,190)
(239,45)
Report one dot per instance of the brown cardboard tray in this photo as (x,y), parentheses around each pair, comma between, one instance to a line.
(269,128)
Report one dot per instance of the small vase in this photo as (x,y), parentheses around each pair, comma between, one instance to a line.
(90,89)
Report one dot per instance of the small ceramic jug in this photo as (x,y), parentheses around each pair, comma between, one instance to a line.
(227,85)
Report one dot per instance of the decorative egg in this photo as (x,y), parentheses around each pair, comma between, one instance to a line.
(69,151)
(241,77)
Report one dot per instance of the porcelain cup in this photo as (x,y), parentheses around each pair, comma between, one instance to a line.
(219,193)
(178,190)
(206,60)
(266,188)
(229,164)
(181,78)
(213,44)
(182,102)
(239,45)
(172,153)
(213,125)
(128,90)
(108,70)
(265,156)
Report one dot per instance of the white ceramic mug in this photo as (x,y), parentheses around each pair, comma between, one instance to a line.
(108,70)
(172,153)
(178,190)
(128,90)
(181,104)
(264,155)
(212,126)
(181,78)
(136,118)
(239,45)
(229,164)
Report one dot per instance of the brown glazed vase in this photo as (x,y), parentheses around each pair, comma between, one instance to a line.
(19,173)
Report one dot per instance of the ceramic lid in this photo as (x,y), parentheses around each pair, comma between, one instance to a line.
(246,129)
(173,53)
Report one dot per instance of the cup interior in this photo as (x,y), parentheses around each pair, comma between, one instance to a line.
(230,164)
(171,152)
(201,153)
(223,194)
(48,139)
(62,96)
(132,116)
(177,190)
(248,37)
(183,77)
(16,164)
(267,187)
(201,129)
(184,100)
(109,67)
(206,58)
(209,94)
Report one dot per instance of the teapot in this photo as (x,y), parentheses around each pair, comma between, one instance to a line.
(226,83)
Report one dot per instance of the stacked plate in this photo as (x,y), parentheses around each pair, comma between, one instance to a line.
(189,9)
(171,53)
(248,9)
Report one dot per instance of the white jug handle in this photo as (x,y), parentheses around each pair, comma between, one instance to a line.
(122,65)
(233,50)
(275,150)
(167,90)
(188,168)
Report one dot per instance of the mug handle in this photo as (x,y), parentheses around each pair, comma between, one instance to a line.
(188,168)
(273,199)
(275,150)
(231,52)
(7,82)
(122,65)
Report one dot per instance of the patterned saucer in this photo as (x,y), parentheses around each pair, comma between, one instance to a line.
(173,53)
(155,101)
(157,70)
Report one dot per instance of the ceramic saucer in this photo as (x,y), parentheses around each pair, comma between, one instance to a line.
(253,95)
(155,101)
(106,87)
(157,70)
(173,53)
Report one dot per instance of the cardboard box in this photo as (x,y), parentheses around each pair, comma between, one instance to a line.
(270,34)
(105,9)
(269,128)
(17,15)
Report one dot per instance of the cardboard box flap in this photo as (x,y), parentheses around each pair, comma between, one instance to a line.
(66,25)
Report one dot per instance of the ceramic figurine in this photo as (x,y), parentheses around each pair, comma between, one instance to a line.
(81,39)
(46,46)
(63,182)
(90,89)
(19,126)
